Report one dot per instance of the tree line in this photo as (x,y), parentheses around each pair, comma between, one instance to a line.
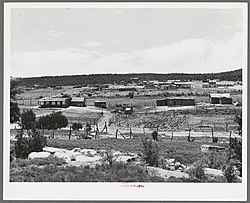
(92,79)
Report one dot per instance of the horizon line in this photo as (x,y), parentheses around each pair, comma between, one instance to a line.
(108,73)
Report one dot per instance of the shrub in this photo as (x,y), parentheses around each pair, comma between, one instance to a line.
(216,160)
(108,158)
(150,152)
(196,172)
(76,126)
(155,135)
(28,118)
(236,149)
(25,145)
(215,179)
(230,172)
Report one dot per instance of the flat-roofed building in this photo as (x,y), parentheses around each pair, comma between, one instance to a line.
(220,98)
(78,101)
(54,102)
(176,101)
(101,104)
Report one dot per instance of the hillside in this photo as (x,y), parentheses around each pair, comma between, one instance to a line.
(118,78)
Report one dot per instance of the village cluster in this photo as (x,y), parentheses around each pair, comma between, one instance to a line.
(182,121)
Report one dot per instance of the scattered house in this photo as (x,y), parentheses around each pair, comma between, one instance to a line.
(78,101)
(220,98)
(54,102)
(126,88)
(176,101)
(225,83)
(209,84)
(184,85)
(101,104)
(135,80)
(152,84)
(170,86)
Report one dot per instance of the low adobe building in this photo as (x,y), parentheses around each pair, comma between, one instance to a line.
(54,102)
(78,101)
(101,104)
(220,99)
(176,101)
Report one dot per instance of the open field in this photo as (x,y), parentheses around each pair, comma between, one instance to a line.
(179,148)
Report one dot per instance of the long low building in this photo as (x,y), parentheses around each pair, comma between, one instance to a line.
(101,104)
(59,102)
(175,101)
(54,102)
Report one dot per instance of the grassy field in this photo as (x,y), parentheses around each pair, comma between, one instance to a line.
(179,148)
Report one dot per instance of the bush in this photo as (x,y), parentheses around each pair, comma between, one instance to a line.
(108,158)
(28,119)
(150,152)
(236,149)
(196,172)
(76,126)
(230,172)
(25,145)
(216,160)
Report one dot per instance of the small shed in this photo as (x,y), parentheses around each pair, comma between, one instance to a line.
(78,101)
(54,102)
(101,104)
(183,85)
(221,99)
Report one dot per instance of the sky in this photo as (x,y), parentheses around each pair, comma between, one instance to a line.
(70,41)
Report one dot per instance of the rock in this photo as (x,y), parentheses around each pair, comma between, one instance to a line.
(207,148)
(34,155)
(72,158)
(76,150)
(183,166)
(177,164)
(51,150)
(213,171)
(77,154)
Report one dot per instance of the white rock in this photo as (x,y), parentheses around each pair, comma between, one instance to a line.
(213,171)
(76,150)
(77,154)
(177,163)
(51,150)
(34,155)
(171,160)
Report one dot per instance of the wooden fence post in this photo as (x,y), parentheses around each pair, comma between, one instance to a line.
(97,129)
(130,132)
(212,131)
(189,134)
(106,127)
(172,135)
(230,138)
(69,132)
(116,133)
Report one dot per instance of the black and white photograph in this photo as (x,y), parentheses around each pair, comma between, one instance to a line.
(125,101)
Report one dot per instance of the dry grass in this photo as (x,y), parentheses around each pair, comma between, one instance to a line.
(179,148)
